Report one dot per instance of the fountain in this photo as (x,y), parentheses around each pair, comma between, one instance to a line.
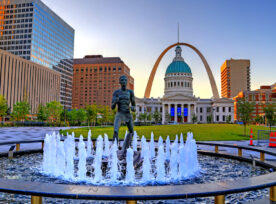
(59,156)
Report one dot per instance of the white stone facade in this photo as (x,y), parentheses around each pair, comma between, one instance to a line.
(179,105)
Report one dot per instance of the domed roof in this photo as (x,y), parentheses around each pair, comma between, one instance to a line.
(178,66)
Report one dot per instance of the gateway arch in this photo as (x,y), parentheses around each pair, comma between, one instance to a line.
(207,67)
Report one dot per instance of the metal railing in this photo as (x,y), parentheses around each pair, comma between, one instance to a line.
(37,190)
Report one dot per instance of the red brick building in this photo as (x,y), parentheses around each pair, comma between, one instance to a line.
(261,97)
(95,78)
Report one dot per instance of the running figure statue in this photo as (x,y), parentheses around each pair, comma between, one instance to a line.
(123,97)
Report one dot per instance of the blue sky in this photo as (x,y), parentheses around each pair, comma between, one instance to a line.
(138,31)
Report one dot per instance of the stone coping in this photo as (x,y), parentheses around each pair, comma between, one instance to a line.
(136,193)
(143,192)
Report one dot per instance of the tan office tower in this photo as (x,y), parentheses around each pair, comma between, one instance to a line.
(22,79)
(235,77)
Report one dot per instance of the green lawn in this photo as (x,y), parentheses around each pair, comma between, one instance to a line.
(202,132)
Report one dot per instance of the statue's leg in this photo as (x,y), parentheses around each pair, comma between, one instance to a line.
(117,124)
(129,136)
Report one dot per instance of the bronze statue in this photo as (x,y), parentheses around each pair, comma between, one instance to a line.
(123,97)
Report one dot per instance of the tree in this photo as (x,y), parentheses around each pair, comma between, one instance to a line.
(244,111)
(142,117)
(81,116)
(21,110)
(73,116)
(228,119)
(134,115)
(41,113)
(149,117)
(269,115)
(91,112)
(259,119)
(157,117)
(209,119)
(3,107)
(194,118)
(105,110)
(167,117)
(53,110)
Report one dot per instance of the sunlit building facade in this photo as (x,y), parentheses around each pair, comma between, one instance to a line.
(235,77)
(179,104)
(29,29)
(22,79)
(260,98)
(95,79)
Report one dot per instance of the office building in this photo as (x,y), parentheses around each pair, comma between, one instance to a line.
(95,79)
(31,30)
(259,97)
(22,79)
(235,77)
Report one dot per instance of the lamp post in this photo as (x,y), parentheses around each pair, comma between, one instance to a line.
(65,102)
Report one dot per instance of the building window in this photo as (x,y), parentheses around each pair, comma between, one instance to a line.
(223,118)
(200,110)
(201,118)
(229,109)
(217,109)
(217,118)
(223,109)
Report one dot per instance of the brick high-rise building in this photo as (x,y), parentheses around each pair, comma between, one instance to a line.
(95,79)
(235,77)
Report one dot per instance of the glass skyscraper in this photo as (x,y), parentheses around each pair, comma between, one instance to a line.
(28,28)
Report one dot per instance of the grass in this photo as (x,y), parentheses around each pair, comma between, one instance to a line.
(202,132)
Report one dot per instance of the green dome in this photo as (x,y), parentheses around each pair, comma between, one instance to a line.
(178,66)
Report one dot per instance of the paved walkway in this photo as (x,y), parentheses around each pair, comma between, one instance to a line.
(8,134)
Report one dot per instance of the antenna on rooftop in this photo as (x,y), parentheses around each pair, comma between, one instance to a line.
(178,33)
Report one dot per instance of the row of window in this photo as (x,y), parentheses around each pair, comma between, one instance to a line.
(17,26)
(100,69)
(15,42)
(22,15)
(19,5)
(7,22)
(179,84)
(9,32)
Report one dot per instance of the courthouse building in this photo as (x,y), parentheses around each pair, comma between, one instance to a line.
(179,101)
(95,79)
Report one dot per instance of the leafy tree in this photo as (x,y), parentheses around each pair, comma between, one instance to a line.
(244,112)
(41,113)
(228,119)
(157,116)
(81,116)
(73,116)
(142,117)
(209,119)
(54,110)
(134,115)
(270,115)
(106,114)
(194,118)
(91,112)
(3,107)
(21,110)
(167,117)
(259,119)
(149,117)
